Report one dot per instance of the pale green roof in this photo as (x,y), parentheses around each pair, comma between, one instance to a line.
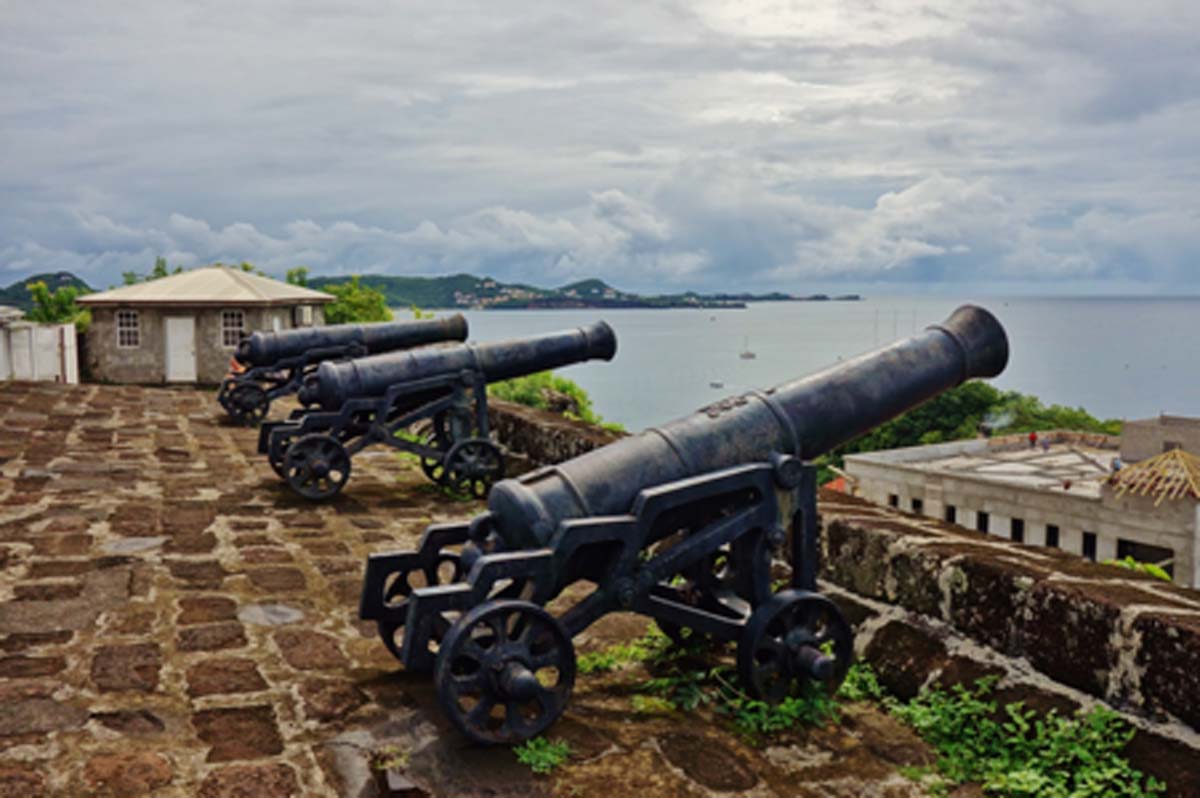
(209,285)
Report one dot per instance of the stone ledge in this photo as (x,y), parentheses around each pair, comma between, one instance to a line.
(1122,637)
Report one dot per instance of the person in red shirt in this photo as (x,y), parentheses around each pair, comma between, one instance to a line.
(1033,440)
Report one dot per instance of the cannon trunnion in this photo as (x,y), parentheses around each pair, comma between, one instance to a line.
(356,403)
(680,523)
(274,364)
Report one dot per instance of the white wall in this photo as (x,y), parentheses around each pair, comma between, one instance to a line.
(39,352)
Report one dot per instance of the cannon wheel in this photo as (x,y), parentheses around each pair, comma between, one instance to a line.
(794,638)
(435,467)
(316,466)
(248,404)
(447,571)
(504,672)
(278,463)
(473,466)
(400,588)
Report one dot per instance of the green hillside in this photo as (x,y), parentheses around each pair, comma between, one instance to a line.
(457,290)
(17,294)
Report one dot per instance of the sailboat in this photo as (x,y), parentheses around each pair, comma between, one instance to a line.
(746,353)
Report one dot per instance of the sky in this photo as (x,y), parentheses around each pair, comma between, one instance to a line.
(1021,146)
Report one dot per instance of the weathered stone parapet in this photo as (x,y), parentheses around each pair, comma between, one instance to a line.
(1121,637)
(539,437)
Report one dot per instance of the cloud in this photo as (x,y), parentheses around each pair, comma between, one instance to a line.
(673,145)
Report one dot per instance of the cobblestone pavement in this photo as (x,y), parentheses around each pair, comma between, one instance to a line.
(174,622)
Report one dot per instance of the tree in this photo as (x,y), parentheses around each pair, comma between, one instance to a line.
(297,276)
(130,278)
(58,307)
(160,269)
(355,303)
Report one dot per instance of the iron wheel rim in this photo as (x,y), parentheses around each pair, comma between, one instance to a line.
(317,467)
(791,619)
(482,649)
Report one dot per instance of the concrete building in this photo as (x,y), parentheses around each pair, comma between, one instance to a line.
(1063,492)
(184,328)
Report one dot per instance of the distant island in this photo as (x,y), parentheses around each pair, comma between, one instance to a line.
(462,291)
(466,291)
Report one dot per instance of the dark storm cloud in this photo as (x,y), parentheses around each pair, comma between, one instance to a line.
(656,145)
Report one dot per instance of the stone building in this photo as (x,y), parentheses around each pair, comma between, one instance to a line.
(184,328)
(1064,492)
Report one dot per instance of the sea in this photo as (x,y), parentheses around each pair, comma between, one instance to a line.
(1116,357)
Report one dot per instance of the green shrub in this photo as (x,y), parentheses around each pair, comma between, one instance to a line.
(1141,567)
(1017,754)
(355,303)
(542,755)
(57,307)
(537,390)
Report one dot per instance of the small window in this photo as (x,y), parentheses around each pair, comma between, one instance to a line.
(1144,552)
(1089,545)
(918,506)
(302,316)
(981,521)
(129,334)
(233,327)
(1017,530)
(893,500)
(1052,536)
(951,514)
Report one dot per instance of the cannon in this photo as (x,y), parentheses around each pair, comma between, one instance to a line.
(274,364)
(680,523)
(355,403)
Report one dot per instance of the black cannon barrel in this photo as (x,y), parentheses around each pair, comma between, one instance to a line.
(266,348)
(364,377)
(806,417)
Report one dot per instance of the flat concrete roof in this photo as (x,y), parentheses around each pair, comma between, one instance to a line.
(1085,467)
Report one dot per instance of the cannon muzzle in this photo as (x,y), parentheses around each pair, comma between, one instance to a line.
(335,383)
(804,418)
(268,348)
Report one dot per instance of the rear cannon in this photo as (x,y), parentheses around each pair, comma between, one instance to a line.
(356,403)
(268,365)
(679,523)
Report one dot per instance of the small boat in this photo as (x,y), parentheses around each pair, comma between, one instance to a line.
(715,384)
(746,353)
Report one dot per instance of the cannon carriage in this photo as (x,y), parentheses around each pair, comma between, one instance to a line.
(680,523)
(275,364)
(382,400)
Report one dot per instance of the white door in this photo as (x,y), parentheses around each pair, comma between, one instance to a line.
(181,348)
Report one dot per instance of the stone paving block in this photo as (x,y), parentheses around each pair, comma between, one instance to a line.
(328,699)
(225,675)
(126,775)
(238,732)
(21,781)
(211,637)
(130,721)
(277,580)
(250,781)
(127,667)
(47,591)
(307,650)
(22,667)
(206,609)
(39,716)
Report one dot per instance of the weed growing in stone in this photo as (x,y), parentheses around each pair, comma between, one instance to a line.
(1013,752)
(542,755)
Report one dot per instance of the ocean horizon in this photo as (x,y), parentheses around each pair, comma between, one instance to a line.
(1116,356)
